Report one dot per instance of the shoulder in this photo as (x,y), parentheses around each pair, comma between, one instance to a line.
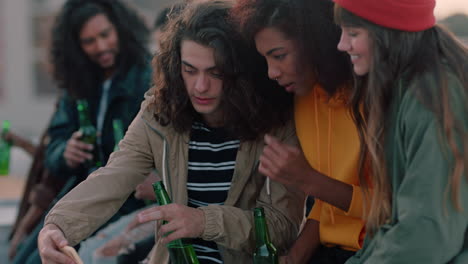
(286,132)
(148,116)
(137,77)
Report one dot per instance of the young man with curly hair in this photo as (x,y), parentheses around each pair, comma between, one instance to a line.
(202,128)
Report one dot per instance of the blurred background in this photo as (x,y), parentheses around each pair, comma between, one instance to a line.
(28,94)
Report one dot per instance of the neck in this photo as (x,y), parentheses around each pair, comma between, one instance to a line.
(108,73)
(214,122)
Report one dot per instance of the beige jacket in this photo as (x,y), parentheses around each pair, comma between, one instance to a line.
(149,145)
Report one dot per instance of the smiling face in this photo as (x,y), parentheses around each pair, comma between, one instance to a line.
(282,56)
(99,41)
(202,80)
(356,42)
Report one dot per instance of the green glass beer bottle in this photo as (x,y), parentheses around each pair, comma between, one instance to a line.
(180,252)
(118,132)
(265,252)
(5,148)
(88,131)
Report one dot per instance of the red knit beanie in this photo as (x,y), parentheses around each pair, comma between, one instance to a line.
(406,15)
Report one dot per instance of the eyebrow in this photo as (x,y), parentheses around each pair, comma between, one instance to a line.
(106,30)
(190,65)
(273,50)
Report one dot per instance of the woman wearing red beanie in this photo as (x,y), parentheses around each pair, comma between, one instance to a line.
(298,40)
(412,81)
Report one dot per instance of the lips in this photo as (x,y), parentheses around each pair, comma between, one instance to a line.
(105,56)
(202,100)
(288,86)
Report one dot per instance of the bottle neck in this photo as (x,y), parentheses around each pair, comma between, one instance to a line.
(161,193)
(261,231)
(5,127)
(83,112)
(118,130)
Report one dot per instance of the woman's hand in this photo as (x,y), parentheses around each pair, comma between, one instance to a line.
(285,164)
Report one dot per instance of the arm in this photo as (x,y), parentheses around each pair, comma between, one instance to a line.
(77,215)
(25,226)
(233,227)
(287,164)
(230,226)
(306,244)
(20,142)
(427,228)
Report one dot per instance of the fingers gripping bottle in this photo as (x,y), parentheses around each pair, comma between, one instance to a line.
(180,251)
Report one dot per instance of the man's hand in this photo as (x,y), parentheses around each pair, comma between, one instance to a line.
(183,221)
(50,240)
(76,151)
(144,190)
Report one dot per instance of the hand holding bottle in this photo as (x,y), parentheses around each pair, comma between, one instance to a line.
(76,151)
(183,221)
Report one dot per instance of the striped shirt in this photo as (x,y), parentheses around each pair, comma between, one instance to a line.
(211,162)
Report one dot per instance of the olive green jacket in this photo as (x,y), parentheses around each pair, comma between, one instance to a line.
(424,227)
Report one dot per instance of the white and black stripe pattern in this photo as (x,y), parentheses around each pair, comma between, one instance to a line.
(205,166)
(211,163)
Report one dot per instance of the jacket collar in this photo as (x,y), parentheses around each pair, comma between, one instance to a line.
(177,144)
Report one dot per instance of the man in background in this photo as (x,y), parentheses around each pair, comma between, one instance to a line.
(99,54)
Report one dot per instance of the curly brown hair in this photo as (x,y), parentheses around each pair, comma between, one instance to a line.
(308,22)
(73,70)
(249,104)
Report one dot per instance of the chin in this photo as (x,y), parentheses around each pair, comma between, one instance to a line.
(360,71)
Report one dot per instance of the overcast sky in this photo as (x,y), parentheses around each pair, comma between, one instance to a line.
(448,7)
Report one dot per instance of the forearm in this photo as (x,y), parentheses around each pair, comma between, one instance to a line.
(30,219)
(54,160)
(306,244)
(233,227)
(26,145)
(329,190)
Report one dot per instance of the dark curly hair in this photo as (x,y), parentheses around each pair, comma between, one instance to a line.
(249,104)
(73,70)
(310,23)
